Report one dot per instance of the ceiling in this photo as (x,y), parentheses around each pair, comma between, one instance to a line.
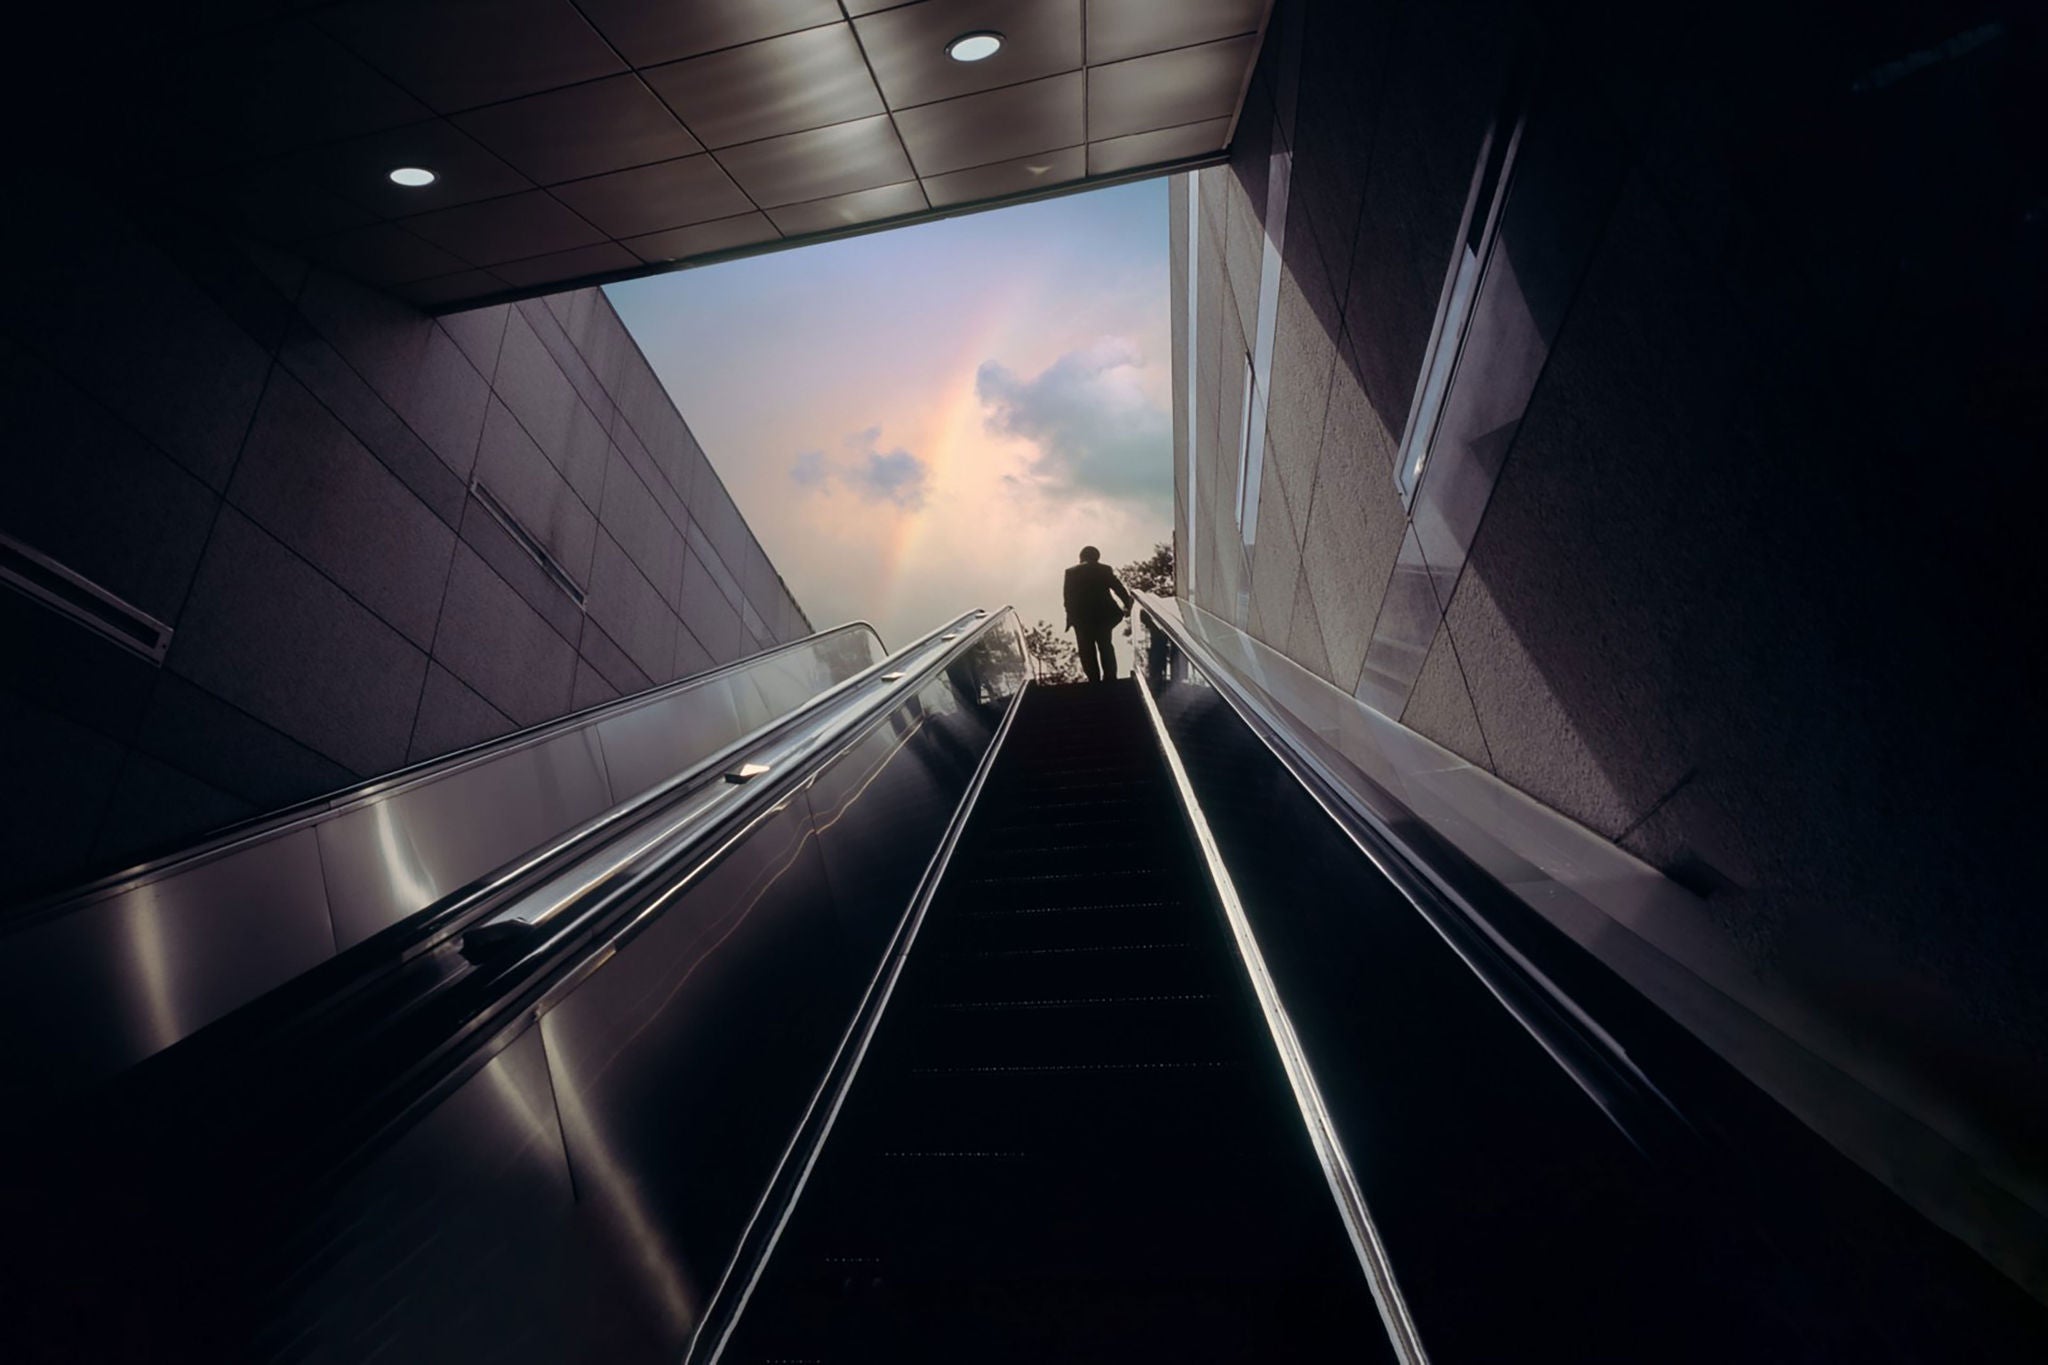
(576,141)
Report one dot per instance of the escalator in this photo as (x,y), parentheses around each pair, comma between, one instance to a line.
(945,1015)
(1068,1138)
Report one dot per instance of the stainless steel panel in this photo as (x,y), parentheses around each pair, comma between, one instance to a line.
(1021,176)
(682,1064)
(94,989)
(845,210)
(647,34)
(91,986)
(740,230)
(1149,149)
(669,194)
(784,85)
(399,853)
(999,125)
(584,130)
(880,809)
(1169,89)
(508,229)
(907,46)
(653,743)
(815,165)
(1127,28)
(455,1243)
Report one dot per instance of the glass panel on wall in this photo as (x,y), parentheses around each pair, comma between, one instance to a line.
(1454,312)
(1192,505)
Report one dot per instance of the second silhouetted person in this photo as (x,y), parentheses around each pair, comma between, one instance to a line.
(1091,594)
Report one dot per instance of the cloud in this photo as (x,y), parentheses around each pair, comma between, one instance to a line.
(808,470)
(873,475)
(1096,433)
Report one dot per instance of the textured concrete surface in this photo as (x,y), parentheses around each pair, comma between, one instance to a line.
(1441,707)
(1354,530)
(1753,595)
(275,462)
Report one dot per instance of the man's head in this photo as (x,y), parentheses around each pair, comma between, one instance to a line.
(1089,554)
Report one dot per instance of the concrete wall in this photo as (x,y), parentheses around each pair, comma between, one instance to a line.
(1745,585)
(278,464)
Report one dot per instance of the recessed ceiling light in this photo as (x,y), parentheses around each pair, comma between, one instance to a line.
(974,47)
(412,177)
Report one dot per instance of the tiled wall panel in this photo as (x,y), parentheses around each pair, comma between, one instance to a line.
(277,463)
(1688,559)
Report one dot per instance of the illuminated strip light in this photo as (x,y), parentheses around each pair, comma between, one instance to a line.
(1308,1097)
(1192,504)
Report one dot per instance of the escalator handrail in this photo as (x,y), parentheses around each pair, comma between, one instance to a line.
(742,1272)
(277,823)
(814,746)
(1450,893)
(528,971)
(450,916)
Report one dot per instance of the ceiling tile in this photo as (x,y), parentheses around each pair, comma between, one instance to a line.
(273,88)
(383,253)
(820,163)
(273,203)
(447,289)
(649,198)
(580,131)
(784,85)
(998,125)
(510,229)
(649,33)
(702,239)
(456,54)
(907,46)
(845,210)
(1150,149)
(563,266)
(1129,28)
(1022,176)
(360,169)
(1190,85)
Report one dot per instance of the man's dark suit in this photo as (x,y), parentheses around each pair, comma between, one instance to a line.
(1092,613)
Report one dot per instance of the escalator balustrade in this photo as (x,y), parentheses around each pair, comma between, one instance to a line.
(1070,1137)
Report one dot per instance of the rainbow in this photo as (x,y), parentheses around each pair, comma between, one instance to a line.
(955,436)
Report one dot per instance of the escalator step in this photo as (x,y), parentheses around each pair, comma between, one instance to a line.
(1069,1138)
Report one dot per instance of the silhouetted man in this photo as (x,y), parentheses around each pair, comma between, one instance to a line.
(1092,612)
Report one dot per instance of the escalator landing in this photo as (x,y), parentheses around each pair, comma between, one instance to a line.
(1070,1138)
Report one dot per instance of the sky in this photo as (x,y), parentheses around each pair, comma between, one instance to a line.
(937,417)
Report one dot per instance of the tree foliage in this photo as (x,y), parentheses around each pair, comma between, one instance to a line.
(1153,573)
(1055,656)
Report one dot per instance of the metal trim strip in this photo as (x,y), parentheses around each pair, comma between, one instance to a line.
(1315,1115)
(535,548)
(81,601)
(839,1077)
